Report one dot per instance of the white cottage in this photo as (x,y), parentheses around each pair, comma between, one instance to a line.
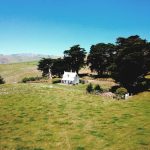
(70,78)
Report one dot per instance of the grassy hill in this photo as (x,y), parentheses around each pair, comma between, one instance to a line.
(41,117)
(16,71)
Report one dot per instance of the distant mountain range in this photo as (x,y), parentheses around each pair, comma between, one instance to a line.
(15,58)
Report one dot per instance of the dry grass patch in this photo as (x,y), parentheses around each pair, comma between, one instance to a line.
(13,73)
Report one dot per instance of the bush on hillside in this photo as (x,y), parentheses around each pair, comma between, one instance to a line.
(114,88)
(28,79)
(120,92)
(97,89)
(1,80)
(89,88)
(82,81)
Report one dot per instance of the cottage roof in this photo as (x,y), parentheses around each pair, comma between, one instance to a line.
(69,76)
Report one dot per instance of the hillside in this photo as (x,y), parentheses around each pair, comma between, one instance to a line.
(15,58)
(37,116)
(15,72)
(41,117)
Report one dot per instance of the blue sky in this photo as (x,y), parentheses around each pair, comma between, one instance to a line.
(52,26)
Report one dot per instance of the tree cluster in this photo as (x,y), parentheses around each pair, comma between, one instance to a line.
(127,61)
(131,63)
(101,57)
(73,60)
(96,89)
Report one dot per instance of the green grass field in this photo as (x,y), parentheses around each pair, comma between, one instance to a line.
(44,117)
(15,72)
(41,117)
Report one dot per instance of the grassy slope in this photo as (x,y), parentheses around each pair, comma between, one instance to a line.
(15,72)
(36,116)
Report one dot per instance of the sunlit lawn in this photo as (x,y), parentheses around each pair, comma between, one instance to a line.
(45,117)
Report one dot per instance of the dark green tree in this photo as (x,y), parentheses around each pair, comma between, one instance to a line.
(74,58)
(147,57)
(131,62)
(53,66)
(97,88)
(45,65)
(89,88)
(100,57)
(1,80)
(58,67)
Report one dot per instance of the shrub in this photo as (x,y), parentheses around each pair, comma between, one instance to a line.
(114,88)
(56,80)
(82,81)
(89,88)
(121,92)
(27,79)
(1,80)
(24,80)
(98,89)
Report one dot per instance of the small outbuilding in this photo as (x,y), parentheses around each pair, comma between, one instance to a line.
(70,78)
